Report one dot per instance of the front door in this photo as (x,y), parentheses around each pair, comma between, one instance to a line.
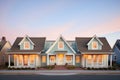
(60,59)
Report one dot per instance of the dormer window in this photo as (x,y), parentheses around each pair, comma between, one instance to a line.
(94,45)
(60,45)
(26,45)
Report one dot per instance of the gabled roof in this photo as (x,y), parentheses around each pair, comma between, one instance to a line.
(60,37)
(95,37)
(2,43)
(83,41)
(38,41)
(26,37)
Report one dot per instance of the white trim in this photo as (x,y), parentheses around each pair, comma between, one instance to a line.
(93,39)
(56,42)
(26,37)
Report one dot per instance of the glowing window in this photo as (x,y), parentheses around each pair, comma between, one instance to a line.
(60,45)
(94,45)
(25,60)
(100,59)
(69,58)
(52,59)
(32,59)
(26,45)
(77,59)
(43,59)
(20,59)
(95,58)
(89,59)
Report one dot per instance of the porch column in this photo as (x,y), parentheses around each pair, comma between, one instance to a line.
(73,59)
(28,60)
(47,59)
(111,60)
(9,60)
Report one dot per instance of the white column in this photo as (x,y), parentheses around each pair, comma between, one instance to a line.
(9,59)
(28,60)
(73,59)
(111,60)
(47,59)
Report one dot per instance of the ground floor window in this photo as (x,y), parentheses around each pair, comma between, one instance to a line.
(77,59)
(52,59)
(43,59)
(89,59)
(68,58)
(25,60)
(32,59)
(20,59)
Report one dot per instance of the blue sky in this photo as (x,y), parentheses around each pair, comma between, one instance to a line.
(50,18)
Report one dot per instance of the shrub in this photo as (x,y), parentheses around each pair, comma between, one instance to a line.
(70,67)
(50,67)
(88,68)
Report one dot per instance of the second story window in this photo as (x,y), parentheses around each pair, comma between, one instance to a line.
(60,45)
(94,45)
(26,45)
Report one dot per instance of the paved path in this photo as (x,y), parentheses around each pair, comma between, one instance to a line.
(59,72)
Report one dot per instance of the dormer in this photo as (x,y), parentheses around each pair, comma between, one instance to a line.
(26,43)
(95,43)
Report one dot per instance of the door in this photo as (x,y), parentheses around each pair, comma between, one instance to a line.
(60,59)
(25,60)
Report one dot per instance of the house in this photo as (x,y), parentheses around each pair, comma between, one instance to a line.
(116,50)
(95,51)
(4,47)
(39,52)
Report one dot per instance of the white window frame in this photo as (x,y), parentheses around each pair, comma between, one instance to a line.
(59,44)
(25,43)
(96,44)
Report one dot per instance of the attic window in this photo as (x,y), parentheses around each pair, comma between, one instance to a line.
(60,45)
(94,45)
(26,45)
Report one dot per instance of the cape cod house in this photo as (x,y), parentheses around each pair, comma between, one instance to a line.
(4,47)
(39,52)
(116,50)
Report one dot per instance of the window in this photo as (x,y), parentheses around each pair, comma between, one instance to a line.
(77,59)
(95,58)
(43,59)
(52,59)
(89,59)
(60,45)
(26,45)
(32,59)
(20,59)
(69,58)
(25,60)
(99,59)
(94,45)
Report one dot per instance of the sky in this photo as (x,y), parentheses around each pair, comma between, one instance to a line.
(50,18)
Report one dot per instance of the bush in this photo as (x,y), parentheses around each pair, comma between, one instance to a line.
(88,68)
(50,67)
(70,67)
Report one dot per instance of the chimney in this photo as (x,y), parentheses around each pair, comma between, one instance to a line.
(3,38)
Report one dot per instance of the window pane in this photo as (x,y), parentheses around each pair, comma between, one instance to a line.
(77,59)
(94,58)
(89,59)
(20,59)
(60,44)
(26,45)
(94,45)
(32,59)
(52,59)
(69,58)
(43,59)
(100,59)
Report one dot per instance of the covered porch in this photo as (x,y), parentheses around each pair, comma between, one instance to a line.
(24,60)
(61,58)
(96,60)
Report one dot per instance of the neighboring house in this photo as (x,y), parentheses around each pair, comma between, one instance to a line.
(116,50)
(95,51)
(82,52)
(4,47)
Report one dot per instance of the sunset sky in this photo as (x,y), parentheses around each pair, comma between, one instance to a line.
(50,18)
